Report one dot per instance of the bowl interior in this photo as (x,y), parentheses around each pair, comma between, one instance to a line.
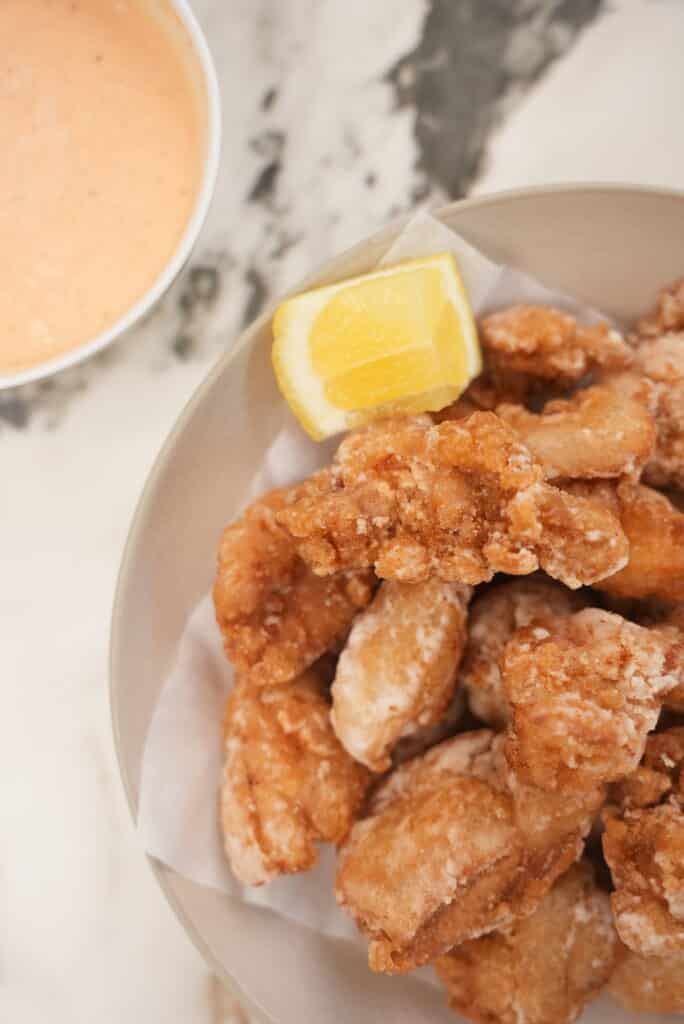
(612,247)
(180,26)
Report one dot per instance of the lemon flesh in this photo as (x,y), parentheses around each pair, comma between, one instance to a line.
(400,339)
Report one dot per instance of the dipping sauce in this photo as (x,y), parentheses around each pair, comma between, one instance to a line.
(102,141)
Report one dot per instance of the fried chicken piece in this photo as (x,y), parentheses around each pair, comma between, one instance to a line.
(287,781)
(658,777)
(575,544)
(427,736)
(668,620)
(397,672)
(542,969)
(454,846)
(532,353)
(657,378)
(584,695)
(643,844)
(661,362)
(672,626)
(528,372)
(494,617)
(544,342)
(275,615)
(649,984)
(596,433)
(657,381)
(668,314)
(645,852)
(460,500)
(655,531)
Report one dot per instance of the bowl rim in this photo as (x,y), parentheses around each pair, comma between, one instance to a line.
(184,247)
(159,870)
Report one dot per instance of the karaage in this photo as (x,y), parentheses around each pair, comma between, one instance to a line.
(542,969)
(397,672)
(494,617)
(276,616)
(464,854)
(426,736)
(654,528)
(659,775)
(643,844)
(547,343)
(661,361)
(595,434)
(656,380)
(460,500)
(584,694)
(649,984)
(668,314)
(453,846)
(671,624)
(287,781)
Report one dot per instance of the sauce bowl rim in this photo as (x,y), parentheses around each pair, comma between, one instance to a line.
(183,249)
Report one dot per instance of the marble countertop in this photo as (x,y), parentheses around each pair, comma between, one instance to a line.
(337,117)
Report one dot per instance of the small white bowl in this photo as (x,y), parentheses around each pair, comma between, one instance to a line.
(192,38)
(611,246)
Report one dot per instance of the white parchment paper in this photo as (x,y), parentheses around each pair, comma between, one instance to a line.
(182,761)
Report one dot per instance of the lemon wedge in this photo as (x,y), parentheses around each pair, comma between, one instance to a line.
(401,339)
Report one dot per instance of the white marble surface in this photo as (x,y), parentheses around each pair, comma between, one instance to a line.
(85,933)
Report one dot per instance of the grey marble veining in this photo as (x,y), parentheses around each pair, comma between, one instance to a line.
(335,121)
(475,59)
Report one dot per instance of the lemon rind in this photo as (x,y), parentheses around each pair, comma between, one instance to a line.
(304,390)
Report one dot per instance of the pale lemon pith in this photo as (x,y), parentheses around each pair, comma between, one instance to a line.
(401,339)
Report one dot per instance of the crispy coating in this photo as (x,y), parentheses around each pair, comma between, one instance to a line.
(287,781)
(668,314)
(454,846)
(671,625)
(397,672)
(643,844)
(658,777)
(645,852)
(584,695)
(544,968)
(494,617)
(546,343)
(426,736)
(460,500)
(533,353)
(275,615)
(575,544)
(649,984)
(661,361)
(596,433)
(656,380)
(655,530)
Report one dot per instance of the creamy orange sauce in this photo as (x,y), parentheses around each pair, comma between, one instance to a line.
(101,154)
